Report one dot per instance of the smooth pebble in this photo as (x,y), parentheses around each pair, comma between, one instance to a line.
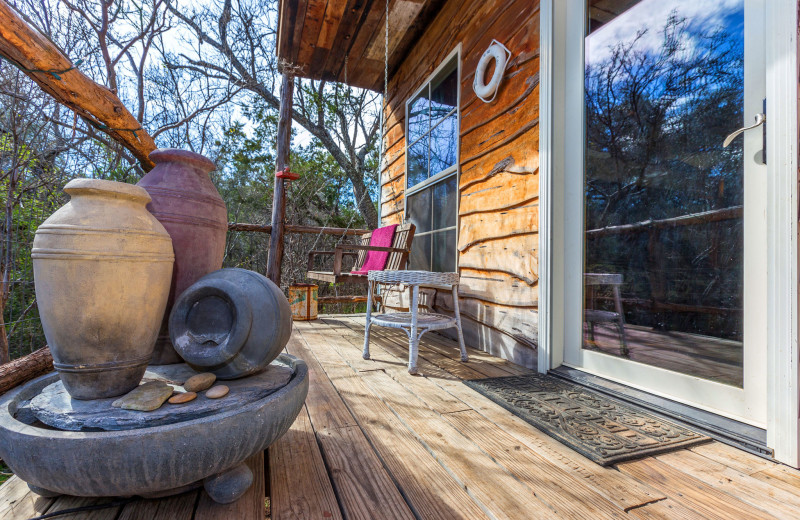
(183,397)
(217,392)
(199,382)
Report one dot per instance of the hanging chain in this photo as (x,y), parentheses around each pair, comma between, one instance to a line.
(386,57)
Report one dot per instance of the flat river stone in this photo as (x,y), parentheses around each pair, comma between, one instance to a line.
(54,407)
(146,397)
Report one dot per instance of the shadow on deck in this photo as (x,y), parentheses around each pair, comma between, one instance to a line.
(375,442)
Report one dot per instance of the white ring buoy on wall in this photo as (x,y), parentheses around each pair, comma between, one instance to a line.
(500,54)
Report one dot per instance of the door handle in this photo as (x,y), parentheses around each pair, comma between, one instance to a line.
(760,120)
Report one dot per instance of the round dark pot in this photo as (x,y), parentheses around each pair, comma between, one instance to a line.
(188,205)
(232,322)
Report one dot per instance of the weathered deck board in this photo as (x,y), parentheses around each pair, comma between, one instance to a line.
(703,498)
(375,442)
(16,501)
(296,464)
(180,507)
(250,507)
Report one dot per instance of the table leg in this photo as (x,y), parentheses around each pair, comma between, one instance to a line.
(368,324)
(413,347)
(464,356)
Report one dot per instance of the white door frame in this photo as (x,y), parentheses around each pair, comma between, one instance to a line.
(783,370)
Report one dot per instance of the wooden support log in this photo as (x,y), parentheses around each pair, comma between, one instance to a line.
(45,64)
(279,194)
(25,368)
(289,228)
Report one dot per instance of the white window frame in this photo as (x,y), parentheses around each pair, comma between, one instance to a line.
(454,170)
(783,379)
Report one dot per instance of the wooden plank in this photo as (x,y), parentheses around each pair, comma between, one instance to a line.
(519,323)
(466,461)
(395,367)
(67,502)
(179,507)
(498,287)
(620,489)
(782,477)
(778,502)
(478,227)
(325,407)
(17,501)
(502,191)
(299,484)
(690,492)
(251,506)
(430,490)
(517,256)
(568,496)
(364,488)
(733,458)
(664,510)
(431,364)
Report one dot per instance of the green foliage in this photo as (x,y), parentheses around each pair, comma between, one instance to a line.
(5,473)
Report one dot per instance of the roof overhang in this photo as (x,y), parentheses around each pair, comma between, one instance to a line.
(343,40)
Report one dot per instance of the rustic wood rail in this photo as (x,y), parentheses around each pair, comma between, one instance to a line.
(656,272)
(312,230)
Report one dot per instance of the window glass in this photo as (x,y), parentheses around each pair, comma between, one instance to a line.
(443,249)
(432,149)
(420,257)
(418,161)
(444,93)
(418,208)
(418,120)
(444,144)
(444,203)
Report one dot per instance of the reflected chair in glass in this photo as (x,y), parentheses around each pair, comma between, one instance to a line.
(592,315)
(415,323)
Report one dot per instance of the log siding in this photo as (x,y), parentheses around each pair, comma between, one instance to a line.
(498,171)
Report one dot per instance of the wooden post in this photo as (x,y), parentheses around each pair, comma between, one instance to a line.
(279,195)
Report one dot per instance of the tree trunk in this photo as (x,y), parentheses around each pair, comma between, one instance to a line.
(4,350)
(363,199)
(43,62)
(25,368)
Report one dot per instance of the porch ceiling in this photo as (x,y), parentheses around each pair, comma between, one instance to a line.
(317,37)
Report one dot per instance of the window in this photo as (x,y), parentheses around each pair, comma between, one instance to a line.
(432,169)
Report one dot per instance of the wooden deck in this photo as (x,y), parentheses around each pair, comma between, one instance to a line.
(374,442)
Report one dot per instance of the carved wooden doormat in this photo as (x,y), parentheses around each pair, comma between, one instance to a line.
(600,428)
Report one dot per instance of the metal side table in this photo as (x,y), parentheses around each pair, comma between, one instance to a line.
(414,323)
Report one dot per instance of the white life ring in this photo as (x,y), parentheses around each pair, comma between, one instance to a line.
(500,54)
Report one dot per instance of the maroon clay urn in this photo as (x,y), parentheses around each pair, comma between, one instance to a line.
(189,206)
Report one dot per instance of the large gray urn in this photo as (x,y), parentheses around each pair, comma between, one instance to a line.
(232,322)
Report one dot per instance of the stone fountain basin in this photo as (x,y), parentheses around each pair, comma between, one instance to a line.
(148,461)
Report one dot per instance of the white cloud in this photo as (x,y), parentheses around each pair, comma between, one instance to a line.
(652,15)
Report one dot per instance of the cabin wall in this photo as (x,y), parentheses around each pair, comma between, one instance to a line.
(498,178)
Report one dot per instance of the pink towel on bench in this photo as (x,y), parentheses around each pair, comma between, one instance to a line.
(376,260)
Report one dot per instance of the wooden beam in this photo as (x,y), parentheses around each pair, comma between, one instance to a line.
(24,369)
(279,194)
(40,59)
(289,228)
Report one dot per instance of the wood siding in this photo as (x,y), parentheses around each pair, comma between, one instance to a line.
(498,171)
